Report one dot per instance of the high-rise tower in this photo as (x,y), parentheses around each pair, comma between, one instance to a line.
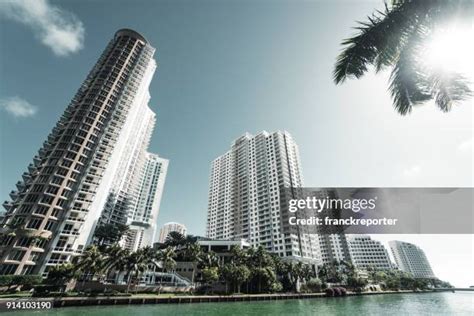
(244,195)
(91,165)
(142,219)
(411,258)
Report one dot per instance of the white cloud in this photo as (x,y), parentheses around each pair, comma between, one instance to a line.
(18,107)
(465,146)
(412,171)
(58,29)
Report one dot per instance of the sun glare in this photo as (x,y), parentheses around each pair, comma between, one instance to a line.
(451,49)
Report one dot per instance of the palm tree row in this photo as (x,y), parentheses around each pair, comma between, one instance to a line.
(99,262)
(253,270)
(257,269)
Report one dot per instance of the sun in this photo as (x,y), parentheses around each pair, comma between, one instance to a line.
(451,49)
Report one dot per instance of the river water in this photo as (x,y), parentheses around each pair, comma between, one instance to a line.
(459,303)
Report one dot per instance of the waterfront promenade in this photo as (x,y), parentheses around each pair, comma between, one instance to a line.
(181,299)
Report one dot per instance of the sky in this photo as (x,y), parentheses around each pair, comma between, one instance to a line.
(226,68)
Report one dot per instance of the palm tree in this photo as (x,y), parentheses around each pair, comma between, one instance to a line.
(209,260)
(167,258)
(323,273)
(110,233)
(349,268)
(307,272)
(115,259)
(90,263)
(191,239)
(396,38)
(239,256)
(61,274)
(175,239)
(138,262)
(262,266)
(192,253)
(235,275)
(291,273)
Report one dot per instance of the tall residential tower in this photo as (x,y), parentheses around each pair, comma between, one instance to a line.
(246,184)
(93,168)
(411,258)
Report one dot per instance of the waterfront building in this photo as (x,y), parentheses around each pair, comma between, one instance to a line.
(171,227)
(411,258)
(366,252)
(91,169)
(221,248)
(247,184)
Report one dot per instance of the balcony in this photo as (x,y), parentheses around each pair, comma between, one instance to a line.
(75,219)
(20,185)
(29,232)
(31,168)
(64,249)
(26,176)
(7,205)
(14,194)
(36,160)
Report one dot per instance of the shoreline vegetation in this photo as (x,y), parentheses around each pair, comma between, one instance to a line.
(105,273)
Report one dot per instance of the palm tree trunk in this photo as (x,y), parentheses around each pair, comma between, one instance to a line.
(129,280)
(137,278)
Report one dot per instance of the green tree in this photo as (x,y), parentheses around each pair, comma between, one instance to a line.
(208,259)
(238,255)
(12,282)
(90,263)
(116,260)
(61,274)
(175,239)
(138,262)
(396,38)
(307,272)
(378,276)
(356,283)
(210,275)
(235,275)
(167,259)
(192,253)
(110,233)
(314,285)
(262,267)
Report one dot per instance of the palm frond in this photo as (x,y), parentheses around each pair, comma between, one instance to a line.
(406,80)
(449,89)
(378,42)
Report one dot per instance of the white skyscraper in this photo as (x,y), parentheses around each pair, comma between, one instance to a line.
(171,227)
(366,252)
(411,258)
(91,168)
(142,218)
(245,195)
